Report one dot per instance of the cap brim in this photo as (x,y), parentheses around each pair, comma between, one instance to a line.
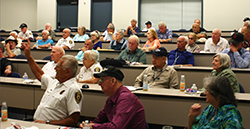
(98,75)
(157,54)
(234,41)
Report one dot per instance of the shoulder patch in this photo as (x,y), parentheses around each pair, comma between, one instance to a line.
(78,97)
(70,41)
(30,33)
(97,69)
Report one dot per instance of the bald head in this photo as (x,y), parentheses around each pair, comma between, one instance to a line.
(216,35)
(48,27)
(56,53)
(197,21)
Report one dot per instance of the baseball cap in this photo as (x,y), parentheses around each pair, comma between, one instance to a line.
(237,38)
(160,52)
(110,71)
(148,22)
(246,19)
(23,25)
(11,38)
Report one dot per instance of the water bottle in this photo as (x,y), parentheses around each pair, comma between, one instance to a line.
(25,76)
(194,89)
(147,49)
(182,83)
(4,111)
(145,83)
(86,124)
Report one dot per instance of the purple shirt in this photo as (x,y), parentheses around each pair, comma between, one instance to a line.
(122,110)
(166,35)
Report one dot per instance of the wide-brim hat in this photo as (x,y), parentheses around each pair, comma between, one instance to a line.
(10,38)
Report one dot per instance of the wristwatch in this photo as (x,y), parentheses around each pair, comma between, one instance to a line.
(47,122)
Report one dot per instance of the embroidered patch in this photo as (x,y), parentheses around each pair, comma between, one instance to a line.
(30,33)
(97,69)
(70,41)
(78,97)
(62,92)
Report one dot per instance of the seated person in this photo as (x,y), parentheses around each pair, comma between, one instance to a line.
(216,44)
(222,112)
(88,45)
(25,33)
(11,50)
(164,34)
(81,36)
(199,23)
(148,26)
(122,110)
(120,43)
(133,53)
(239,56)
(62,100)
(110,35)
(15,35)
(95,36)
(90,67)
(52,34)
(197,30)
(133,29)
(192,46)
(45,42)
(160,74)
(246,32)
(66,42)
(49,68)
(153,42)
(246,22)
(221,65)
(6,66)
(179,56)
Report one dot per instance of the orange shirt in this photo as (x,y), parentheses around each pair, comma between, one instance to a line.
(156,41)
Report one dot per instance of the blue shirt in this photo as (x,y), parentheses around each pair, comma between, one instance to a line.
(40,42)
(239,59)
(166,35)
(123,44)
(80,38)
(177,57)
(80,55)
(136,29)
(98,44)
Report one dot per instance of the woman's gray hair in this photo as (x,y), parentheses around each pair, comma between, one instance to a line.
(92,55)
(96,33)
(224,60)
(83,29)
(192,34)
(70,62)
(121,32)
(220,88)
(13,32)
(135,38)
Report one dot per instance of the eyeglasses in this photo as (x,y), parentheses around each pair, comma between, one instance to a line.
(180,41)
(191,38)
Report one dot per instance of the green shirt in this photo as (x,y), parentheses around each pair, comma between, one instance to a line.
(137,56)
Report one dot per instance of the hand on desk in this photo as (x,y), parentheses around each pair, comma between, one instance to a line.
(39,121)
(90,125)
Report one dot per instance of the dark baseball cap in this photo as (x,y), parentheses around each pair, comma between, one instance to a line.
(23,25)
(237,38)
(148,22)
(246,19)
(110,71)
(160,52)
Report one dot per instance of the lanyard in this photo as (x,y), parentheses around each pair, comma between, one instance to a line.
(154,78)
(177,57)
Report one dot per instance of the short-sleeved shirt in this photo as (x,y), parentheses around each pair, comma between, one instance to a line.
(98,44)
(86,74)
(123,110)
(16,51)
(147,29)
(121,45)
(41,42)
(166,77)
(27,34)
(80,55)
(137,56)
(49,69)
(176,57)
(77,37)
(136,29)
(166,35)
(212,48)
(239,59)
(66,42)
(156,41)
(60,100)
(52,34)
(192,48)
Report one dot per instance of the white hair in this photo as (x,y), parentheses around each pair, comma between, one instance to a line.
(13,32)
(162,24)
(92,55)
(46,32)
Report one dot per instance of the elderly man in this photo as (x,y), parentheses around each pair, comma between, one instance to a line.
(133,53)
(216,44)
(51,32)
(11,49)
(179,56)
(15,35)
(62,100)
(198,31)
(123,110)
(133,29)
(148,26)
(246,32)
(164,34)
(160,75)
(199,23)
(90,67)
(239,56)
(110,35)
(66,42)
(6,66)
(88,45)
(120,43)
(56,53)
(25,33)
(45,42)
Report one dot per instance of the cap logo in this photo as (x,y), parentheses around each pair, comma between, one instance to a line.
(105,69)
(157,50)
(235,36)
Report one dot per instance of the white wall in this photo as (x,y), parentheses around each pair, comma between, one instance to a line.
(84,9)
(46,13)
(15,12)
(225,14)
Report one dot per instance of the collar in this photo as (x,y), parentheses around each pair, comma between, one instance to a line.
(68,82)
(164,68)
(128,51)
(176,50)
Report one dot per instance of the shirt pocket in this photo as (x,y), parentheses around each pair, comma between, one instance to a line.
(55,101)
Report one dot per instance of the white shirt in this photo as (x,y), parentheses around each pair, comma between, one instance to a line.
(28,34)
(66,42)
(147,29)
(212,48)
(59,101)
(86,74)
(49,69)
(108,37)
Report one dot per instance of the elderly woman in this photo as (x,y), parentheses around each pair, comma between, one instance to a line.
(222,112)
(221,65)
(120,43)
(153,42)
(192,46)
(81,36)
(95,36)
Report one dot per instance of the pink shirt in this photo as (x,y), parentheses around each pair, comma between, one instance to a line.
(156,41)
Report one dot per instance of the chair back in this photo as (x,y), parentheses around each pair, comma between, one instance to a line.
(47,57)
(21,56)
(241,88)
